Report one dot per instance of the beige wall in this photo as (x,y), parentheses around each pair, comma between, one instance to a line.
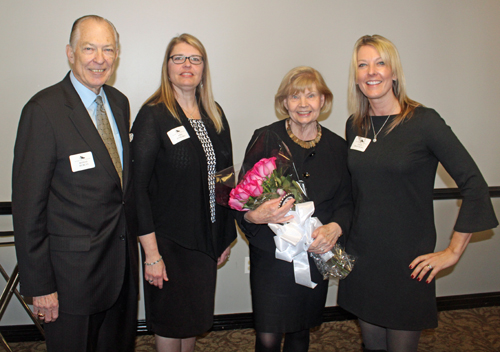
(449,49)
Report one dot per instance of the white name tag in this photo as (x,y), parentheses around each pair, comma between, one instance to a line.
(177,134)
(82,161)
(360,143)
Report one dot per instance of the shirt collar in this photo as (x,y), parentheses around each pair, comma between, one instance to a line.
(86,95)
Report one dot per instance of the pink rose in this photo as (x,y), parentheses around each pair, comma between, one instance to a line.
(252,176)
(235,204)
(238,197)
(239,193)
(264,167)
(253,188)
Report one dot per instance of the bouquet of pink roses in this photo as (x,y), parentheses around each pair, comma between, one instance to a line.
(267,172)
(262,182)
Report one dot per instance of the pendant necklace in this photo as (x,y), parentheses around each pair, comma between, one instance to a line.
(376,134)
(190,114)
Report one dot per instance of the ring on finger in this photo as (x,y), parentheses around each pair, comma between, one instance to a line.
(41,315)
(429,266)
(151,281)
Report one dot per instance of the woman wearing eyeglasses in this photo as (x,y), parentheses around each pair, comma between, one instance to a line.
(180,139)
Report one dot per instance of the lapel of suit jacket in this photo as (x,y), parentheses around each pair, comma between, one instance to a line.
(87,130)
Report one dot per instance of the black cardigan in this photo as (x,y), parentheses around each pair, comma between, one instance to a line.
(171,181)
(324,172)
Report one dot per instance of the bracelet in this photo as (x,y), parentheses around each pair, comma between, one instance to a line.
(153,263)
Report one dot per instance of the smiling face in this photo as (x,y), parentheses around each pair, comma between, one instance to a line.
(93,56)
(185,76)
(304,107)
(374,77)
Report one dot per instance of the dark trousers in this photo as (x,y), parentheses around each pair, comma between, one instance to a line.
(113,330)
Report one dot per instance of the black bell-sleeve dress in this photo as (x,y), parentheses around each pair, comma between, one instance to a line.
(393,223)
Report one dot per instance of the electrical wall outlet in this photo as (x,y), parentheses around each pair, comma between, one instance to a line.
(246,265)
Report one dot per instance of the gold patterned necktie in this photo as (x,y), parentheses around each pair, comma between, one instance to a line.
(106,133)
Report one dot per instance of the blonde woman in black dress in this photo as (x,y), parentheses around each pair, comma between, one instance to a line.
(395,145)
(180,138)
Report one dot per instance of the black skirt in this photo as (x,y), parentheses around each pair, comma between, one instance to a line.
(185,306)
(280,304)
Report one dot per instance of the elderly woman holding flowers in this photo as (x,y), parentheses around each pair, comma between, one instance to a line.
(280,305)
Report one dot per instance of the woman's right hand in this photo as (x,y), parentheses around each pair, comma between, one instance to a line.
(156,274)
(270,212)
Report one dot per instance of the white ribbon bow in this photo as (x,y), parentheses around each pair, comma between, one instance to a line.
(294,238)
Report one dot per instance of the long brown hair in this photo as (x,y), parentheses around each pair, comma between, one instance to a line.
(359,104)
(165,94)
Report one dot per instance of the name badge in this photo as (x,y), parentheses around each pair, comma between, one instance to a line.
(360,143)
(82,161)
(177,134)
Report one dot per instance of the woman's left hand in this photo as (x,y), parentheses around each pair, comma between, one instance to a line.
(433,263)
(224,256)
(325,238)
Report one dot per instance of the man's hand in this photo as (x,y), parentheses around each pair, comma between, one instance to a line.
(46,307)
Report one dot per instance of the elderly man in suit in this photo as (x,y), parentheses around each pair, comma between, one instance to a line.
(72,201)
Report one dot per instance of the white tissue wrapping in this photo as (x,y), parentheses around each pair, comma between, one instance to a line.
(294,238)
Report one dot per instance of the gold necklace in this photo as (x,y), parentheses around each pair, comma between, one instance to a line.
(304,144)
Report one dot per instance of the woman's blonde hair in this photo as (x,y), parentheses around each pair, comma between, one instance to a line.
(358,103)
(166,94)
(299,79)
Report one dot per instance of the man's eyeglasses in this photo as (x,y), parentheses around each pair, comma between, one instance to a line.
(193,59)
